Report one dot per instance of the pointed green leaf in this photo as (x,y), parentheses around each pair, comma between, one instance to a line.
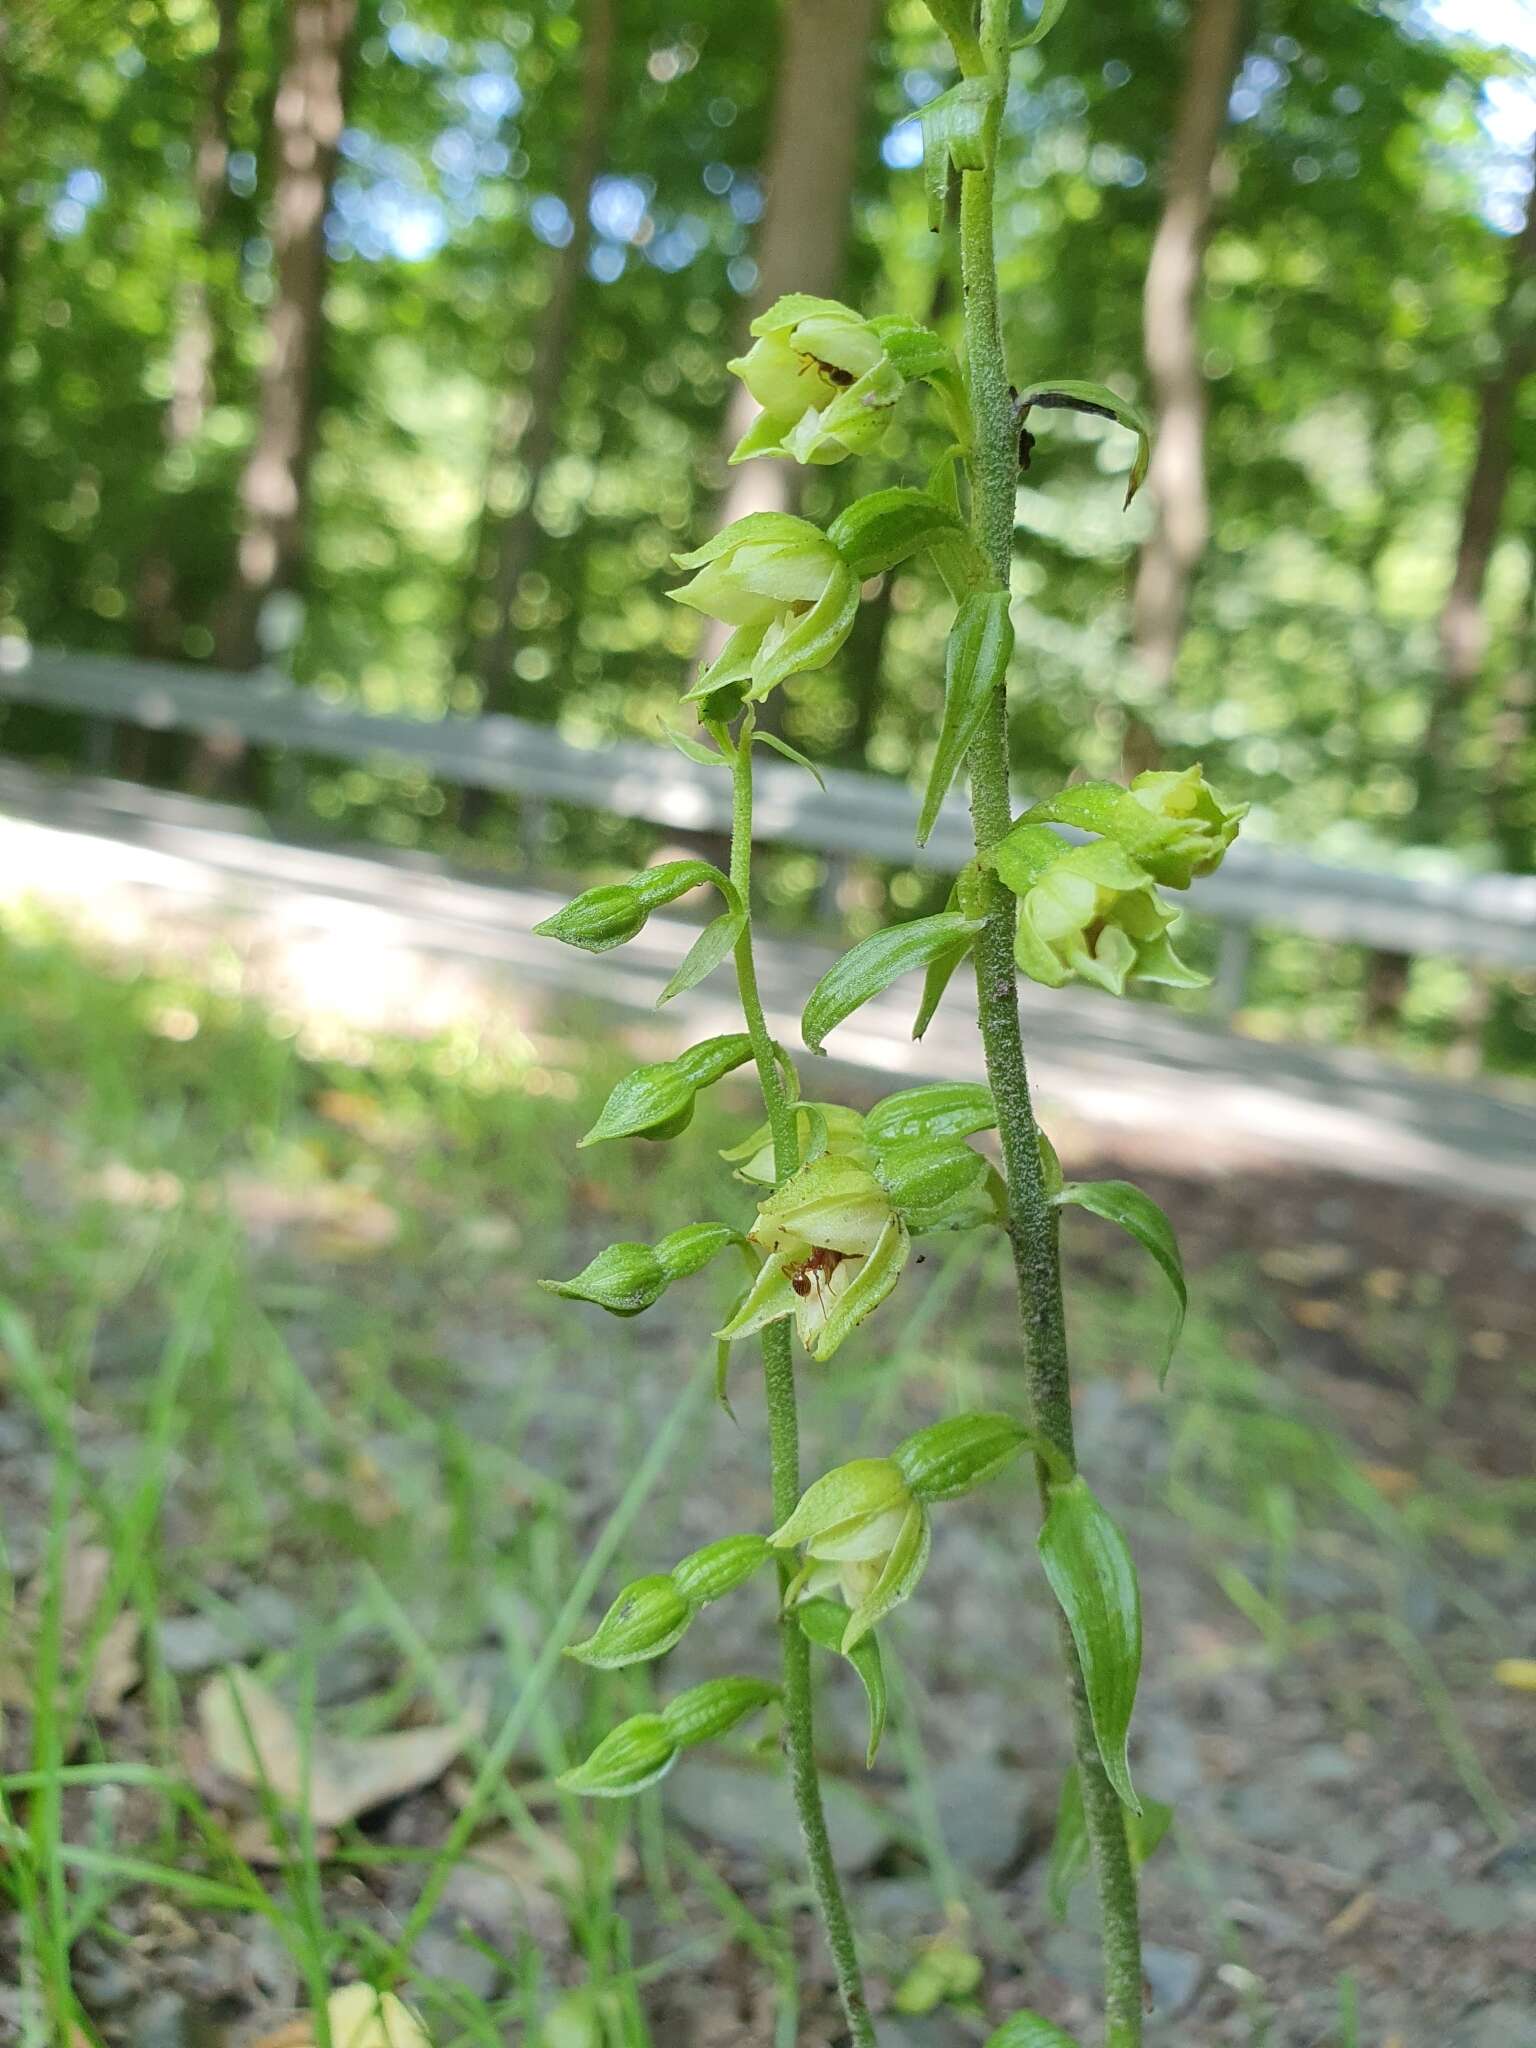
(712,946)
(694,750)
(1118,1201)
(657,1101)
(781,746)
(1090,1570)
(1071,394)
(975,667)
(824,1622)
(875,963)
(1028,2030)
(877,532)
(714,1708)
(1070,1853)
(938,1109)
(1051,12)
(941,969)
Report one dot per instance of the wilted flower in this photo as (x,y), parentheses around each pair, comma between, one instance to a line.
(1171,822)
(1088,913)
(822,376)
(784,589)
(835,1248)
(862,1532)
(1197,826)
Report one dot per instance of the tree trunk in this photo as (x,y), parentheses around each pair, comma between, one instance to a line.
(1509,792)
(1170,325)
(1463,628)
(526,432)
(308,115)
(158,610)
(10,254)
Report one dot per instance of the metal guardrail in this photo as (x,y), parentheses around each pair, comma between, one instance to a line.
(1487,918)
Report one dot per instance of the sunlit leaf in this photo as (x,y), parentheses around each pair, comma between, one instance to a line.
(870,968)
(1091,1573)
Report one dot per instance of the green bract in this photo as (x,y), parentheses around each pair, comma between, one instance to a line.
(1173,824)
(783,588)
(1087,913)
(823,378)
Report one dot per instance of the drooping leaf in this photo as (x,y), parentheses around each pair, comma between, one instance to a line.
(824,1622)
(1070,1853)
(782,746)
(1072,394)
(657,1101)
(877,532)
(870,968)
(694,750)
(1051,12)
(1119,1201)
(712,946)
(941,969)
(1090,1570)
(976,659)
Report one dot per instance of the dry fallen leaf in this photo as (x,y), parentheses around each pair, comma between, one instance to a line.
(360,2017)
(1352,1918)
(115,1667)
(347,1775)
(1518,1672)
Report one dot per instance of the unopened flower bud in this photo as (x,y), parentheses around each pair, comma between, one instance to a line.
(714,1708)
(647,1618)
(639,1752)
(719,1567)
(956,1456)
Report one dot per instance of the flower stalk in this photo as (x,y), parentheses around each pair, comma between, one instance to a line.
(784,1434)
(1033,1228)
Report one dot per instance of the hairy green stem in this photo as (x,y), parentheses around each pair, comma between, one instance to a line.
(993,464)
(784,1443)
